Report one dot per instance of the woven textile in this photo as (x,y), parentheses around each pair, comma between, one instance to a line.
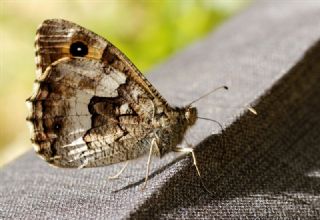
(263,166)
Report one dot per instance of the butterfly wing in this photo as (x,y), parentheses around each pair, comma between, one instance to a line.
(55,38)
(91,107)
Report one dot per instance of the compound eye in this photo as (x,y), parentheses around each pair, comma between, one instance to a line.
(78,49)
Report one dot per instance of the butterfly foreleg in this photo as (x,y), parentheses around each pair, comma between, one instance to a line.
(120,172)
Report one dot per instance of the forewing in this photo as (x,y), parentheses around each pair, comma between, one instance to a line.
(55,37)
(84,113)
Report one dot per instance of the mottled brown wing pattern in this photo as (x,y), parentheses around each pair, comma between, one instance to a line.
(91,106)
(53,41)
(79,114)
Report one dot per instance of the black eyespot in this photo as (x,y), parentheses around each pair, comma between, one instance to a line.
(57,126)
(78,49)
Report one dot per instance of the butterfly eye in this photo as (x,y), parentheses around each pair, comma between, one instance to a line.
(78,49)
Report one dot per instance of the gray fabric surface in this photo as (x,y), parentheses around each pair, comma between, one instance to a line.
(261,166)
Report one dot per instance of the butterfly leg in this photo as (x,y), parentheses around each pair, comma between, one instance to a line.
(120,172)
(189,150)
(149,162)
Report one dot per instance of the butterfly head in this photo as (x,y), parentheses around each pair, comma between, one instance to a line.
(190,115)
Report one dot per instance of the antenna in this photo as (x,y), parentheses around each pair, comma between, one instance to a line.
(208,93)
(209,119)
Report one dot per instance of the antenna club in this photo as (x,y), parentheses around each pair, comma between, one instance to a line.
(210,92)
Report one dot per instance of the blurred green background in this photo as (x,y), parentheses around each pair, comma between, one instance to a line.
(146,31)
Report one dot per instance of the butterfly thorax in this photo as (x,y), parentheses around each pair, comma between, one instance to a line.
(172,131)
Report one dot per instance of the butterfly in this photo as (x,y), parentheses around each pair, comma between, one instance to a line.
(92,107)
